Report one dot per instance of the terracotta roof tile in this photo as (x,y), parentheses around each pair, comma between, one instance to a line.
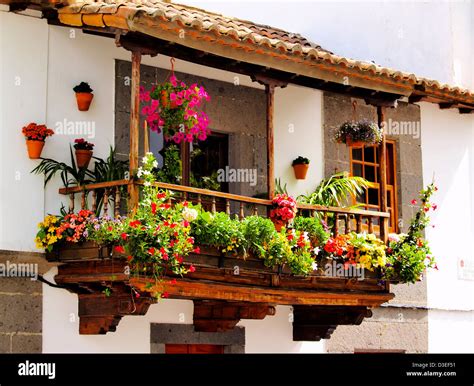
(268,38)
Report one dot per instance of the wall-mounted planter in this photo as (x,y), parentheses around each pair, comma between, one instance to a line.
(34,148)
(84,100)
(300,171)
(83,96)
(300,167)
(83,157)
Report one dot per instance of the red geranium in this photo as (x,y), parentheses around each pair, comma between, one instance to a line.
(34,132)
(284,209)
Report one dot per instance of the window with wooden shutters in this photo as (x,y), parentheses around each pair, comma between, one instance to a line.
(365,163)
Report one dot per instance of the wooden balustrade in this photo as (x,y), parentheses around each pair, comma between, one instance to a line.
(106,195)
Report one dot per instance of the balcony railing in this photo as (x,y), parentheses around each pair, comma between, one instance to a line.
(109,198)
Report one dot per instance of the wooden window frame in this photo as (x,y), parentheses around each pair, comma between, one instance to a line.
(392,190)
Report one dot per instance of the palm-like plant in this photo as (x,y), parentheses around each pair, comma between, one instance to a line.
(70,175)
(110,169)
(336,190)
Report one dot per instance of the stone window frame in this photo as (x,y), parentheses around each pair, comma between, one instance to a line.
(169,333)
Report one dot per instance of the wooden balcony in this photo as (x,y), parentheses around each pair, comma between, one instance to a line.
(224,288)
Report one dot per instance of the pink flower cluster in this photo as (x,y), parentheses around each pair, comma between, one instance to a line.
(284,209)
(174,109)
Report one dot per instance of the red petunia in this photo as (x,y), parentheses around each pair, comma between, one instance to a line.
(135,223)
(119,249)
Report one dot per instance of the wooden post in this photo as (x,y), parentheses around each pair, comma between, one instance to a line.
(133,194)
(185,163)
(146,142)
(270,92)
(383,176)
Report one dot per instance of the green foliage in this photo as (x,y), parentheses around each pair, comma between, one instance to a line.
(257,231)
(316,232)
(300,160)
(218,230)
(408,254)
(171,170)
(83,87)
(279,188)
(335,190)
(110,169)
(70,175)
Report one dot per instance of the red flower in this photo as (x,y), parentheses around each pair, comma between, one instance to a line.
(165,295)
(173,281)
(137,295)
(185,203)
(197,250)
(124,236)
(192,268)
(185,223)
(153,208)
(151,251)
(160,196)
(180,260)
(173,225)
(434,206)
(414,202)
(110,229)
(190,240)
(129,258)
(119,249)
(135,223)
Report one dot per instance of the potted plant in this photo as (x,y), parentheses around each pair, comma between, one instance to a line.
(174,109)
(35,137)
(283,210)
(83,152)
(83,96)
(300,167)
(356,134)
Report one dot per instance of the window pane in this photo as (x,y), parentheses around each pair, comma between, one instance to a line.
(357,154)
(373,196)
(370,173)
(369,154)
(357,170)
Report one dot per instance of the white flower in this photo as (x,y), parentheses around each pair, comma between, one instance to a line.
(305,236)
(316,250)
(189,214)
(147,183)
(140,172)
(146,172)
(155,164)
(314,265)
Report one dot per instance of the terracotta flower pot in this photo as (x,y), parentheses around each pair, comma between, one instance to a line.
(83,158)
(34,148)
(84,100)
(300,171)
(351,143)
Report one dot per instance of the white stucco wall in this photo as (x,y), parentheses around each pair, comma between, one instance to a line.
(448,154)
(64,57)
(23,63)
(298,132)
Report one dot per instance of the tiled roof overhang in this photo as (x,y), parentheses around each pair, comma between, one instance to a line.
(248,42)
